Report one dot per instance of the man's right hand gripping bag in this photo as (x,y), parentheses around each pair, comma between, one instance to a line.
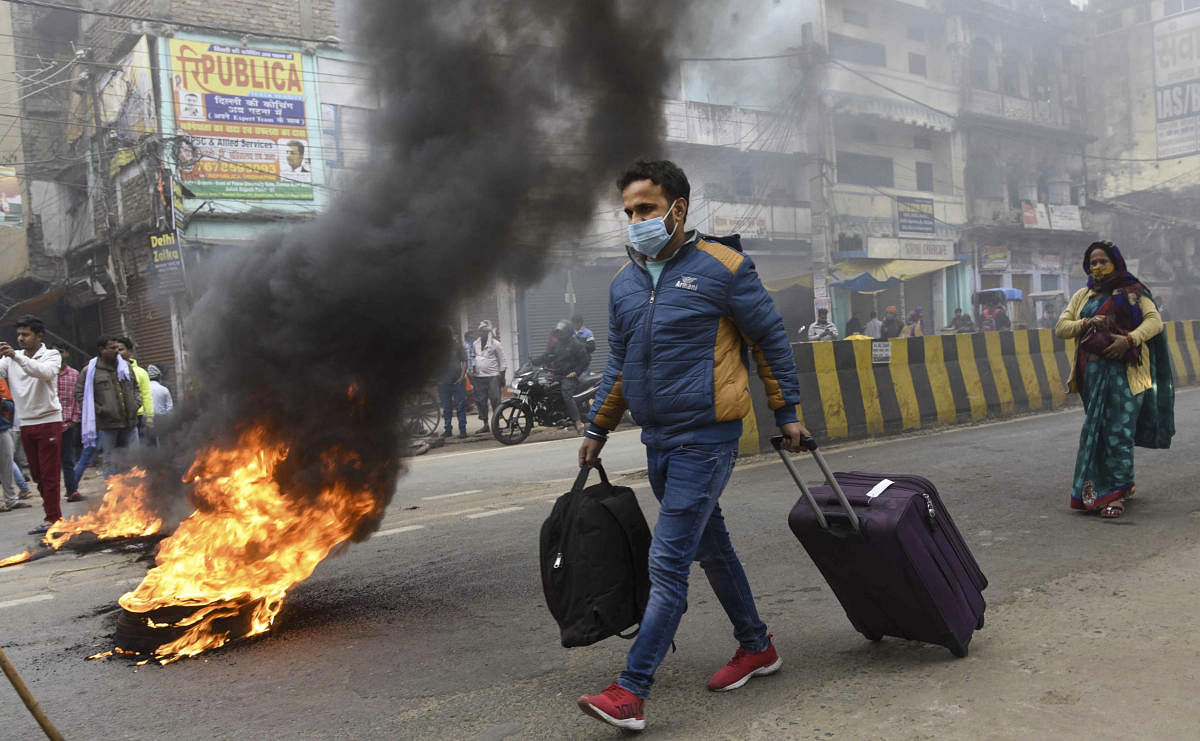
(595,557)
(891,553)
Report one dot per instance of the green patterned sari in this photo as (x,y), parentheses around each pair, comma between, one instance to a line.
(1115,420)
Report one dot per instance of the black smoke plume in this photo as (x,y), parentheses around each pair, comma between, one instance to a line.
(500,123)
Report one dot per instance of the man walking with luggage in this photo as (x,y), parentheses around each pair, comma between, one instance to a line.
(677,314)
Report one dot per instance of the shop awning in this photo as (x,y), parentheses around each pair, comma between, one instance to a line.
(38,306)
(865,276)
(779,284)
(868,276)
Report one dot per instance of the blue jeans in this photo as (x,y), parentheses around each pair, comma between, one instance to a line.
(687,481)
(109,442)
(454,398)
(85,459)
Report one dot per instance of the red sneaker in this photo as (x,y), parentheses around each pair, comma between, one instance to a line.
(616,706)
(744,665)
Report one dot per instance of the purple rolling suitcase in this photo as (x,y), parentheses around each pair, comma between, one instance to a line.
(891,553)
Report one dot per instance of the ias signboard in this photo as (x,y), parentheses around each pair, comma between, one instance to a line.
(1177,85)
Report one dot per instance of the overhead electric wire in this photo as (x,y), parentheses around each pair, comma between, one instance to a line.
(232,30)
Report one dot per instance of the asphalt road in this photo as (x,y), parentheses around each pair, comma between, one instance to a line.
(436,627)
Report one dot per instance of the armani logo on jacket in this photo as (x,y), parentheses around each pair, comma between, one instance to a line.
(688,282)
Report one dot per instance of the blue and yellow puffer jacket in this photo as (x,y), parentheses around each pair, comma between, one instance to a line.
(675,351)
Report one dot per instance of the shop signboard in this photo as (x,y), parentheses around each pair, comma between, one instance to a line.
(1034,215)
(926,249)
(1065,218)
(10,198)
(166,261)
(747,226)
(993,259)
(915,215)
(1177,85)
(243,113)
(1047,263)
(820,286)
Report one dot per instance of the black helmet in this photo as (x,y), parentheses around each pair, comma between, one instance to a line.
(564,328)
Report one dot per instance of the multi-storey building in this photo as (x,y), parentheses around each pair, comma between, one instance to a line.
(1024,134)
(885,127)
(182,128)
(954,152)
(1144,167)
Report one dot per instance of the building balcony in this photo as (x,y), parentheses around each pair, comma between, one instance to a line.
(896,213)
(1046,113)
(759,220)
(744,129)
(848,93)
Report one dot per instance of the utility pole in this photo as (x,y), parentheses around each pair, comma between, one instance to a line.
(116,259)
(821,166)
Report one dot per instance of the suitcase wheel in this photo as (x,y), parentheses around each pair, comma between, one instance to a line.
(872,637)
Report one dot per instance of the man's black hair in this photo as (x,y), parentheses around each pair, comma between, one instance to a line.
(125,341)
(874,315)
(577,320)
(35,325)
(103,341)
(295,143)
(663,173)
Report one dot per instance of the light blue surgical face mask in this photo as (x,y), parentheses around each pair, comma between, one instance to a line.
(650,236)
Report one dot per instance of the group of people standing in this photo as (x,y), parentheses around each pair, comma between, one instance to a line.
(479,364)
(479,361)
(66,416)
(879,329)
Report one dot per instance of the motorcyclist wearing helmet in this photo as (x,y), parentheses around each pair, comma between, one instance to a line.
(567,359)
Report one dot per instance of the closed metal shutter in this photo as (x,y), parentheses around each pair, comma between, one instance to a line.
(545,305)
(149,322)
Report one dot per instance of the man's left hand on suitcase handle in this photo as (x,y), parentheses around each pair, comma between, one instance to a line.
(795,437)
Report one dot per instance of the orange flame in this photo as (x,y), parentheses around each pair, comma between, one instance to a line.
(236,557)
(125,512)
(14,560)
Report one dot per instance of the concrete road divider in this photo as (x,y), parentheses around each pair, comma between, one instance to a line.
(854,388)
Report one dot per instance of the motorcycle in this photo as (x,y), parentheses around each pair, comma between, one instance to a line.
(538,399)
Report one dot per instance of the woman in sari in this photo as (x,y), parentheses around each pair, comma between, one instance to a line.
(1123,375)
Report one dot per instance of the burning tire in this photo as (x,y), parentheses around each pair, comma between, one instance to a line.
(135,632)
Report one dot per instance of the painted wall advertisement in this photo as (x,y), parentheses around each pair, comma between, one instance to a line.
(244,113)
(1177,85)
(915,215)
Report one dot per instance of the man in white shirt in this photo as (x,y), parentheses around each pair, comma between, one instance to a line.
(488,370)
(32,373)
(822,329)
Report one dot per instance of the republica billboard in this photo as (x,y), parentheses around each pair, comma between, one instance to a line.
(243,112)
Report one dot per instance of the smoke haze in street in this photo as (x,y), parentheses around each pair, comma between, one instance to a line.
(320,331)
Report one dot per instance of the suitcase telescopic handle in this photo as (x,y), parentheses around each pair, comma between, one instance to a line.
(811,444)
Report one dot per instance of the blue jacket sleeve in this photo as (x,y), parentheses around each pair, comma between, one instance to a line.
(609,404)
(754,313)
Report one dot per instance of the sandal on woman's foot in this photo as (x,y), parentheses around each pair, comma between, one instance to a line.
(1113,511)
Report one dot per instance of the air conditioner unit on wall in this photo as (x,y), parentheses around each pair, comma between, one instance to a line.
(84,292)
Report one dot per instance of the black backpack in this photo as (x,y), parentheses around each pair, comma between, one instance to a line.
(595,556)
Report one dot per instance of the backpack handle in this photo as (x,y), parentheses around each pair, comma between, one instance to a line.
(584,471)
